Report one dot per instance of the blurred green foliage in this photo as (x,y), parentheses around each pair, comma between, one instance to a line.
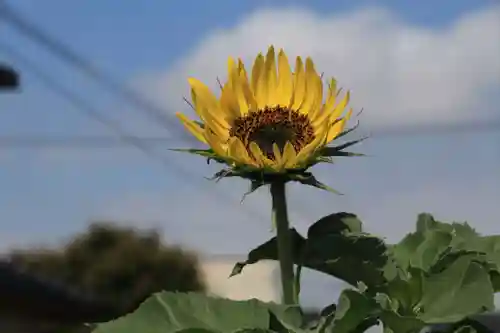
(120,265)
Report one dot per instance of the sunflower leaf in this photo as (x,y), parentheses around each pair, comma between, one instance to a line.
(202,152)
(312,181)
(324,159)
(222,174)
(332,151)
(329,153)
(216,159)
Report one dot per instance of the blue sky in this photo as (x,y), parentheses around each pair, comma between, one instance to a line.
(409,64)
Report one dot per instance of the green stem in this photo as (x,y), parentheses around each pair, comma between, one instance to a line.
(296,283)
(280,217)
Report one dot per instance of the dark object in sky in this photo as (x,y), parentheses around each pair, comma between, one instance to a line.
(9,78)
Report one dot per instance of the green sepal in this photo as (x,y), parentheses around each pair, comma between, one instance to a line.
(208,153)
(259,178)
(347,131)
(199,123)
(308,179)
(338,150)
(324,159)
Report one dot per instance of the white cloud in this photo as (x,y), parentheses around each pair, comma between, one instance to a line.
(400,73)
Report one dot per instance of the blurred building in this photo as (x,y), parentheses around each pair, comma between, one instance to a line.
(256,281)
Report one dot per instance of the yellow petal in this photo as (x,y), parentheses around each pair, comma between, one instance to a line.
(228,103)
(319,117)
(289,156)
(259,81)
(313,86)
(316,109)
(306,152)
(218,147)
(335,130)
(285,83)
(214,124)
(277,156)
(230,67)
(299,85)
(238,152)
(227,98)
(271,77)
(192,127)
(209,109)
(203,93)
(207,103)
(338,127)
(243,71)
(238,92)
(248,93)
(337,111)
(332,94)
(259,157)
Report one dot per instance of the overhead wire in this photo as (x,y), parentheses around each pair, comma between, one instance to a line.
(101,141)
(66,53)
(70,56)
(83,106)
(63,51)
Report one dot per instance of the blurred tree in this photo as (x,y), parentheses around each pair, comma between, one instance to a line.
(120,265)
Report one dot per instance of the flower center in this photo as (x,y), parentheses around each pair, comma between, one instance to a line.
(273,125)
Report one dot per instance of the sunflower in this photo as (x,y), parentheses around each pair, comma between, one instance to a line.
(274,121)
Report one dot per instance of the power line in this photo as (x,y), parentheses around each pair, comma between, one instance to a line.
(81,105)
(89,142)
(67,54)
(96,142)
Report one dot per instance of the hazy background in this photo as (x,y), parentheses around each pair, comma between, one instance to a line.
(427,74)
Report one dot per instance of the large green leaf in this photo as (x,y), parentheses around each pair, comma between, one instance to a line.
(469,326)
(352,258)
(404,251)
(426,222)
(447,272)
(353,310)
(465,329)
(392,320)
(433,239)
(490,245)
(430,249)
(335,246)
(254,330)
(395,323)
(337,223)
(462,290)
(406,291)
(269,251)
(192,312)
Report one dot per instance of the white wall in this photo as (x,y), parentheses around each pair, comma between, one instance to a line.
(256,281)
